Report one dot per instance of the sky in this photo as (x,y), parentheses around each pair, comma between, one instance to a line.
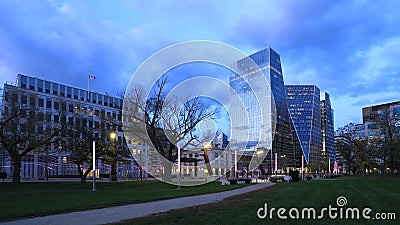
(350,49)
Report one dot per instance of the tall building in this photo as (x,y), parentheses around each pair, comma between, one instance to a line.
(327,129)
(305,110)
(270,65)
(60,103)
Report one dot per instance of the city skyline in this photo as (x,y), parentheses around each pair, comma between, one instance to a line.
(347,54)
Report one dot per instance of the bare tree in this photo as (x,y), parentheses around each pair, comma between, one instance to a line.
(166,122)
(345,144)
(21,129)
(385,143)
(77,141)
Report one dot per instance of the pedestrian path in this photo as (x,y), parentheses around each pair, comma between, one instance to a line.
(118,213)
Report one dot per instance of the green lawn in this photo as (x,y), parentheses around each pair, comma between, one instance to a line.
(381,195)
(37,199)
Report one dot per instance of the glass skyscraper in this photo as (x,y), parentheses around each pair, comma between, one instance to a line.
(305,110)
(327,129)
(268,61)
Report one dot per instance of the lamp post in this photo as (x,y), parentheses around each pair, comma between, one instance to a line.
(179,167)
(113,135)
(236,164)
(94,166)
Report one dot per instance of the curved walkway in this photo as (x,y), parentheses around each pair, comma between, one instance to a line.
(118,213)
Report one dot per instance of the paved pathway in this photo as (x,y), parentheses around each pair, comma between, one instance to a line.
(118,213)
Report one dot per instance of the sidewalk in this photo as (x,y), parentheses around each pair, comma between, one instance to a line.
(118,213)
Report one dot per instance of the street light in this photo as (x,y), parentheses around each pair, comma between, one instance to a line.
(113,135)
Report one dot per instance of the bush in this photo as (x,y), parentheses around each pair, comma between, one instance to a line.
(3,175)
(273,179)
(233,181)
(295,174)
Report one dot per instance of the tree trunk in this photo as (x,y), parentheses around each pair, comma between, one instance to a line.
(16,170)
(167,176)
(84,175)
(83,178)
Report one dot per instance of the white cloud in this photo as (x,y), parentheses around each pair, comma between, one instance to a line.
(377,63)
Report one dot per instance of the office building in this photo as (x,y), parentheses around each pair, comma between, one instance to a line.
(327,129)
(60,104)
(268,61)
(305,111)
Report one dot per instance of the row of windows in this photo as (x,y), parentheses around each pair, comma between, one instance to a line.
(66,91)
(62,106)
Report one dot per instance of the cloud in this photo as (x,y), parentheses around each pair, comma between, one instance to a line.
(348,48)
(378,65)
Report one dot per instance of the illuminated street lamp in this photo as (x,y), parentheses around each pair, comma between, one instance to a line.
(113,135)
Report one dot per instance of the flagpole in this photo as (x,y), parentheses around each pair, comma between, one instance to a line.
(88,86)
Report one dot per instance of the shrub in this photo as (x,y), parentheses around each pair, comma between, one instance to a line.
(295,174)
(3,175)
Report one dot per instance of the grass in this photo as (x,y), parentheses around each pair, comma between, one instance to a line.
(381,195)
(39,199)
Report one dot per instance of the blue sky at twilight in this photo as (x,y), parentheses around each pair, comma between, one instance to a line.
(351,49)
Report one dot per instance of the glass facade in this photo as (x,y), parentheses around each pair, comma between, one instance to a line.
(327,129)
(304,107)
(269,62)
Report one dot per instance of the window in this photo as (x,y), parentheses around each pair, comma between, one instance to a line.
(76,94)
(56,105)
(48,103)
(71,121)
(111,102)
(77,110)
(41,102)
(24,81)
(31,83)
(48,117)
(94,97)
(47,87)
(100,99)
(90,112)
(63,119)
(32,102)
(69,92)
(62,90)
(55,89)
(83,110)
(70,108)
(106,100)
(24,99)
(97,112)
(63,106)
(40,85)
(56,118)
(82,95)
